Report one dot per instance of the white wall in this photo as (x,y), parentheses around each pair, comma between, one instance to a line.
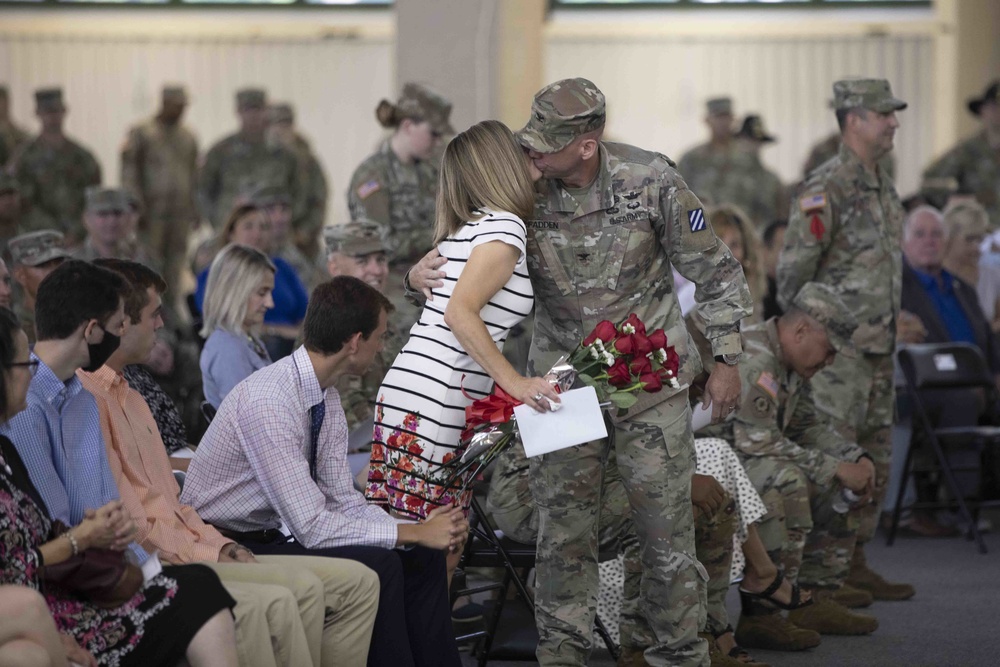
(333,66)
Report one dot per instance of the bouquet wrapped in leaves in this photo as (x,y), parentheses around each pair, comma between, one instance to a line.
(617,360)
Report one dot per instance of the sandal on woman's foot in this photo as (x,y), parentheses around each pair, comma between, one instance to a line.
(740,654)
(795,602)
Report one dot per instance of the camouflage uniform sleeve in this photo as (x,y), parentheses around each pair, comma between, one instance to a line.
(298,187)
(131,173)
(91,169)
(368,197)
(813,432)
(316,194)
(208,184)
(721,290)
(812,224)
(942,177)
(756,431)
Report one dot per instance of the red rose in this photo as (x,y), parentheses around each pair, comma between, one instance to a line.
(618,374)
(658,339)
(651,382)
(605,330)
(673,361)
(636,323)
(626,344)
(643,346)
(641,366)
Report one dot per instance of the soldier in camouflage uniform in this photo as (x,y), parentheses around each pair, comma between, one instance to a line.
(281,131)
(106,219)
(10,210)
(159,166)
(845,231)
(828,148)
(790,452)
(359,249)
(397,186)
(32,257)
(244,161)
(610,223)
(758,190)
(708,166)
(12,137)
(54,171)
(973,166)
(277,206)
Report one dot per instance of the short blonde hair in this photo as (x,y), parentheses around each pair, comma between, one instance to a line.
(963,217)
(482,167)
(234,275)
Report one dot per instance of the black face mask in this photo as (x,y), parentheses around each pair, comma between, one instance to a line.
(101,352)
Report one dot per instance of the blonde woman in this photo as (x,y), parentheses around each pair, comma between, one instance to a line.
(966,224)
(237,297)
(453,354)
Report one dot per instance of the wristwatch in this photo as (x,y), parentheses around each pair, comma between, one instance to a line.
(729,359)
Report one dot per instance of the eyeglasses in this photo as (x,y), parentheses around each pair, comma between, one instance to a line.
(31,364)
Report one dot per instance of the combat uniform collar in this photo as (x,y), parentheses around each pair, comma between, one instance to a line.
(866,178)
(600,196)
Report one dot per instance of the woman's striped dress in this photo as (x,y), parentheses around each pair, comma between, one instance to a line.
(420,410)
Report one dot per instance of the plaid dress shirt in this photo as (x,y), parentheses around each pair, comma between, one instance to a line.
(251,470)
(59,439)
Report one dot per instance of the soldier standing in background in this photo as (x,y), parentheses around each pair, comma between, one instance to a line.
(828,148)
(33,256)
(106,219)
(12,137)
(610,221)
(397,186)
(277,206)
(756,189)
(54,171)
(10,209)
(359,249)
(307,228)
(707,167)
(845,231)
(973,166)
(159,165)
(243,161)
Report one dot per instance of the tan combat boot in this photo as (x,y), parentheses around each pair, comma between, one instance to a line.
(853,598)
(829,617)
(773,632)
(863,577)
(631,657)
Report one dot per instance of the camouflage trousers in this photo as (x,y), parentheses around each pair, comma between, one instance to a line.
(859,397)
(653,455)
(166,238)
(511,506)
(801,531)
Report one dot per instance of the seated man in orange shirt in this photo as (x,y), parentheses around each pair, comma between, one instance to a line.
(139,462)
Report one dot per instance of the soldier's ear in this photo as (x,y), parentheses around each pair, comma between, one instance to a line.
(588,148)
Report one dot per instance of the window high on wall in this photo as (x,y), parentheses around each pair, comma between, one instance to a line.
(188,3)
(744,3)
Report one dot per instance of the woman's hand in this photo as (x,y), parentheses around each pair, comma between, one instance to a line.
(535,392)
(108,527)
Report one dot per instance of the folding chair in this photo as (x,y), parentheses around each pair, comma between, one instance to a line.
(486,549)
(947,366)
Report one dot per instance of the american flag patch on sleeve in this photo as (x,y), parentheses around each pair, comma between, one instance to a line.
(767,382)
(369,188)
(812,202)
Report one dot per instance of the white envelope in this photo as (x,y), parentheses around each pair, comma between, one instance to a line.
(579,420)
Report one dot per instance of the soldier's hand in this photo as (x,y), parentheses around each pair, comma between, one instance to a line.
(722,391)
(707,494)
(909,328)
(858,477)
(426,274)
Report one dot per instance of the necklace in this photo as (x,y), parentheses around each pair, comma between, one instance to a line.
(257,347)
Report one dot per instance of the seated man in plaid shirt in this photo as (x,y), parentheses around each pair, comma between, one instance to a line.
(277,452)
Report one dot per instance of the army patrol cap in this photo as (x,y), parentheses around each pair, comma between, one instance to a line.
(560,113)
(8,183)
(281,112)
(251,98)
(356,238)
(991,94)
(36,248)
(720,106)
(753,128)
(269,195)
(823,304)
(174,95)
(418,101)
(104,200)
(49,99)
(872,94)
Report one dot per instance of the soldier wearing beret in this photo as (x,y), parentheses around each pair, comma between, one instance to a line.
(245,160)
(281,130)
(845,231)
(32,257)
(397,185)
(611,222)
(54,171)
(973,166)
(359,249)
(159,166)
(12,136)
